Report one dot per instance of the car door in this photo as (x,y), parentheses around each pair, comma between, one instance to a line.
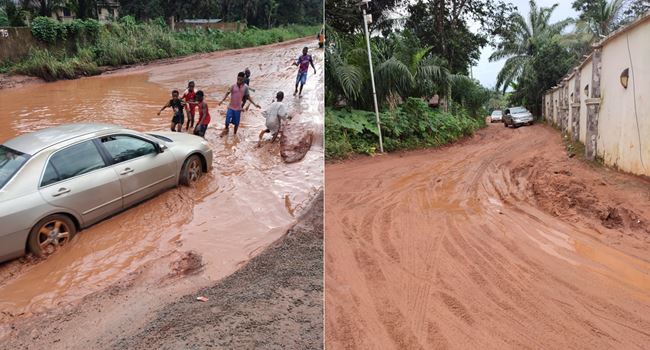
(142,168)
(77,178)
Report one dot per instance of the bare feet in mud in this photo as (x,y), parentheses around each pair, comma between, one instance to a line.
(224,132)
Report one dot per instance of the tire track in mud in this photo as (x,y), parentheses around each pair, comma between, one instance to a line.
(447,248)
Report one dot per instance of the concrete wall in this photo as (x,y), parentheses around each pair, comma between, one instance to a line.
(15,42)
(621,138)
(622,115)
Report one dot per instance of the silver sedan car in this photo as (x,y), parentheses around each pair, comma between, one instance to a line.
(517,116)
(56,181)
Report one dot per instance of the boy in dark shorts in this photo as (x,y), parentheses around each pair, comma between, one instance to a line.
(238,96)
(204,115)
(303,63)
(247,77)
(177,106)
(190,104)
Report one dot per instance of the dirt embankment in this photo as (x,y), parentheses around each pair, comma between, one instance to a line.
(274,302)
(500,241)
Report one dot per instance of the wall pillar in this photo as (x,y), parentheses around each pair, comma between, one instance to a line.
(593,106)
(565,106)
(550,113)
(575,105)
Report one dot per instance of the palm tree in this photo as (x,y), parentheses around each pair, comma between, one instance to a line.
(526,37)
(402,69)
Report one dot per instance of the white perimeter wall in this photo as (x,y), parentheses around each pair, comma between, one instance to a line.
(622,142)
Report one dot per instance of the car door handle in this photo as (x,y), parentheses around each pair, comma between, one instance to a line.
(126,171)
(61,191)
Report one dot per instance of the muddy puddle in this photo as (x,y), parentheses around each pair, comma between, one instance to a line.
(249,200)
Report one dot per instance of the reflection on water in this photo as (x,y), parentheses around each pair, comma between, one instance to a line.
(244,204)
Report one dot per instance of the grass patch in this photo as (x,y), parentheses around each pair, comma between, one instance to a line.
(53,66)
(411,125)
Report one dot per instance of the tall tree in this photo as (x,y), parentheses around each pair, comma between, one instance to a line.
(345,15)
(522,42)
(445,26)
(601,16)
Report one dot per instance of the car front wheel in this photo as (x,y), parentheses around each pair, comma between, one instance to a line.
(191,171)
(50,233)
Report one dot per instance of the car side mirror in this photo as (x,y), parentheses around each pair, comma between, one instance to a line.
(161,148)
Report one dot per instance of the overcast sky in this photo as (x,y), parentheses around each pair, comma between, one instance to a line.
(486,71)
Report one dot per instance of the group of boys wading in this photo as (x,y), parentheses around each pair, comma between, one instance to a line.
(192,103)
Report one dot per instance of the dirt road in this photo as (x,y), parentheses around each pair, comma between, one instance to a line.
(186,238)
(500,241)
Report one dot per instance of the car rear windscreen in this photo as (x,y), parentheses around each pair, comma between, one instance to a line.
(10,162)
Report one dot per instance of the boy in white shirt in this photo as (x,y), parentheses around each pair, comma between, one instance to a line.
(274,115)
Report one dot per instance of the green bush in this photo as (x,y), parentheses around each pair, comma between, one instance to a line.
(45,29)
(411,125)
(4,19)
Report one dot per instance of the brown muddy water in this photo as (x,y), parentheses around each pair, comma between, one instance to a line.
(249,199)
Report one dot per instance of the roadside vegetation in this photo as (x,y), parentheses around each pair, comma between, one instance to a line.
(424,91)
(411,125)
(79,47)
(429,51)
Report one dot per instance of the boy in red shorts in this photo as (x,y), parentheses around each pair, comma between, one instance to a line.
(190,104)
(204,115)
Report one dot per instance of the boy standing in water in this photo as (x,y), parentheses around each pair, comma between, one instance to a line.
(190,107)
(238,96)
(247,77)
(204,115)
(274,116)
(177,106)
(303,63)
(321,39)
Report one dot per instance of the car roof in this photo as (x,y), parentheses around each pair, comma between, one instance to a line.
(34,142)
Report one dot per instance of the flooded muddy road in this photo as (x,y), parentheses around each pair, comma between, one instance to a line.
(500,241)
(249,199)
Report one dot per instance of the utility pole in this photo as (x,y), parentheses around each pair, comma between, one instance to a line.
(364,5)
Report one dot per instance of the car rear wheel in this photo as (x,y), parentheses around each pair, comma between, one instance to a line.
(192,170)
(51,233)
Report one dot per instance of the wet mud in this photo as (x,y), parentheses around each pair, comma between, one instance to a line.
(500,241)
(249,199)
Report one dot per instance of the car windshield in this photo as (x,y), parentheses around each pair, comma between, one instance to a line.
(496,113)
(166,139)
(518,110)
(10,163)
